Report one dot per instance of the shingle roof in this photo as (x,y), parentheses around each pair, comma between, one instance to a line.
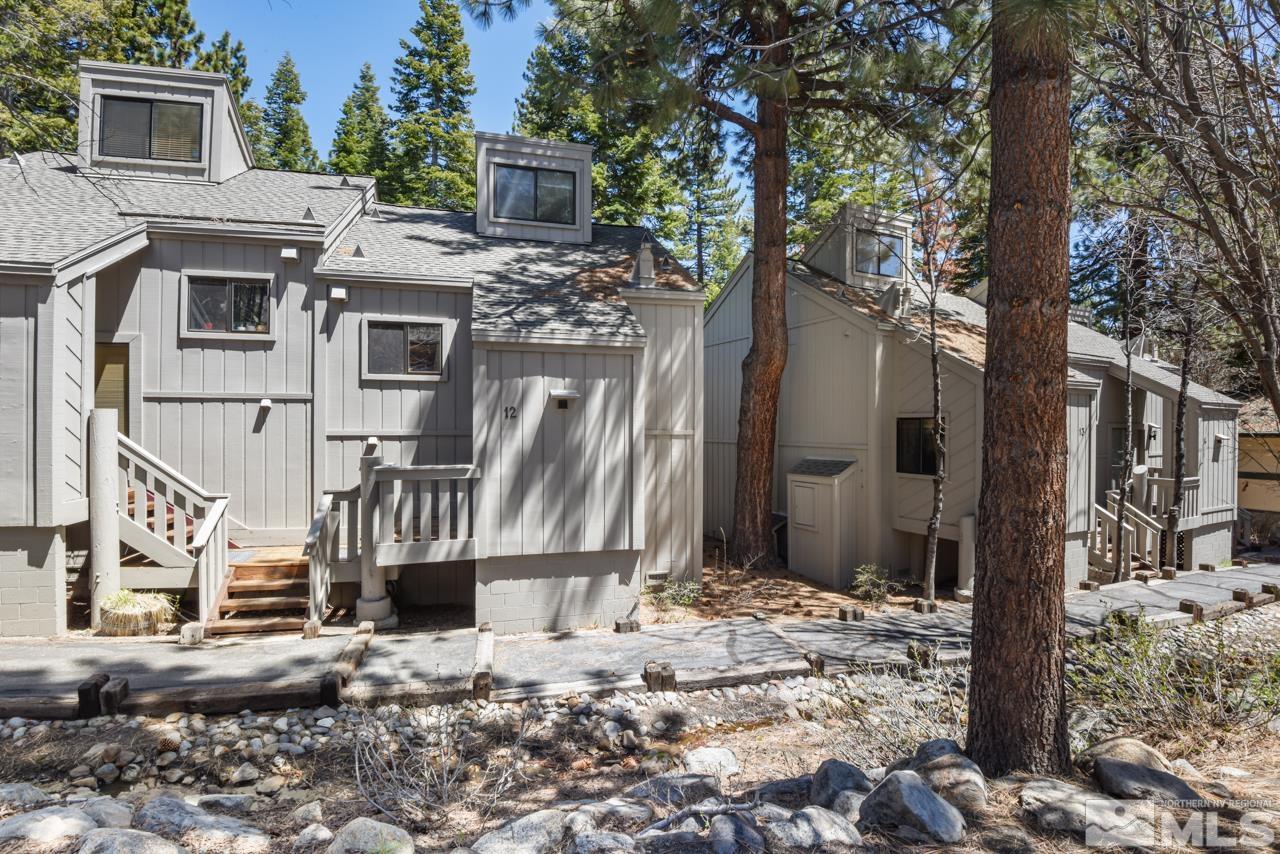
(519,286)
(816,467)
(962,329)
(50,210)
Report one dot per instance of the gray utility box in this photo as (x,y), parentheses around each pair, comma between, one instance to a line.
(820,520)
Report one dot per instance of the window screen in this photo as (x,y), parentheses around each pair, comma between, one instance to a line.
(228,305)
(404,348)
(916,453)
(150,130)
(878,254)
(537,195)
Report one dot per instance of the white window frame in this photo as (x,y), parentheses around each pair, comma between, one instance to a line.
(447,326)
(184,299)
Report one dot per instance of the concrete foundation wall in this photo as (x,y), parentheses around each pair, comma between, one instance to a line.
(535,593)
(33,581)
(1212,544)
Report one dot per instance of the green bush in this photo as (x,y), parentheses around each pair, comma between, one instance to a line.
(675,594)
(872,583)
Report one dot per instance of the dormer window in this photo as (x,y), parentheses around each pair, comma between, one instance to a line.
(534,195)
(150,130)
(879,254)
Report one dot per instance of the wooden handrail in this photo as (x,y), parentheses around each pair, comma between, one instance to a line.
(386,472)
(1130,509)
(142,455)
(350,494)
(317,524)
(216,511)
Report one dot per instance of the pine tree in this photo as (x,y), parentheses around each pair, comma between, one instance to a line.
(287,137)
(255,131)
(229,59)
(632,182)
(157,32)
(360,141)
(712,239)
(433,164)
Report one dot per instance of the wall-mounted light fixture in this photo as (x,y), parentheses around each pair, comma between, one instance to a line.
(564,397)
(265,403)
(337,293)
(288,253)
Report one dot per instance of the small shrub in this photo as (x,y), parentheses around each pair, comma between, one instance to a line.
(675,594)
(872,583)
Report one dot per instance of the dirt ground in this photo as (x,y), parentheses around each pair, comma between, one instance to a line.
(730,591)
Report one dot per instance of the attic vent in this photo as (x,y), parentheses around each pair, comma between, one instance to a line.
(344,182)
(308,216)
(357,252)
(373,214)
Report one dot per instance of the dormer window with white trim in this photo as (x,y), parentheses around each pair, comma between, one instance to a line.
(533,194)
(878,254)
(144,129)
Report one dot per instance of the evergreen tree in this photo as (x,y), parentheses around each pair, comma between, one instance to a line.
(287,137)
(229,59)
(632,182)
(157,32)
(433,164)
(360,141)
(712,239)
(255,131)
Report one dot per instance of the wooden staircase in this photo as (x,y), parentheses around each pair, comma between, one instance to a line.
(266,592)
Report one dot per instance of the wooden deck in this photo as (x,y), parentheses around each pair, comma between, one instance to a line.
(267,556)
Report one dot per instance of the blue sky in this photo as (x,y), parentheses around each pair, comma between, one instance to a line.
(330,39)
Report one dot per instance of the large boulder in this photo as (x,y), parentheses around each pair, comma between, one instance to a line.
(119,840)
(1133,781)
(1124,749)
(926,752)
(312,837)
(789,792)
(715,761)
(905,805)
(833,777)
(22,796)
(1058,806)
(541,832)
(813,829)
(676,789)
(959,781)
(735,833)
(674,842)
(366,836)
(48,826)
(603,842)
(169,816)
(108,812)
(618,812)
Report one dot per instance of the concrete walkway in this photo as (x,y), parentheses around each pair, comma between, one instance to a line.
(425,665)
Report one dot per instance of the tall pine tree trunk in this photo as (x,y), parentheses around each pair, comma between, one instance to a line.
(1017,703)
(1190,324)
(938,438)
(752,540)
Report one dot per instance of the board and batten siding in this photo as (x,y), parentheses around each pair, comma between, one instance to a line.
(1081,428)
(1218,459)
(555,480)
(416,422)
(673,383)
(726,339)
(19,305)
(201,409)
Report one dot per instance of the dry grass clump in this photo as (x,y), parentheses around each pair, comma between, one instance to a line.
(130,613)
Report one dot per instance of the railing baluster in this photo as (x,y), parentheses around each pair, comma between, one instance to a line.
(446,509)
(464,509)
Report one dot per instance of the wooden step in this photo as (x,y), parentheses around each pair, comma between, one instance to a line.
(249,625)
(264,603)
(264,585)
(243,572)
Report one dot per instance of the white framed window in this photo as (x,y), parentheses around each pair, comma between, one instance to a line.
(227,306)
(145,129)
(534,194)
(405,349)
(878,254)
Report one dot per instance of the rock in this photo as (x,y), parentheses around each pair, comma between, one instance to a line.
(1186,770)
(1126,750)
(108,812)
(792,791)
(116,840)
(270,785)
(603,842)
(735,833)
(1132,781)
(813,828)
(771,812)
(246,773)
(935,748)
(48,826)
(676,789)
(1007,840)
(168,816)
(833,777)
(1232,772)
(716,761)
(23,795)
(309,813)
(618,811)
(312,837)
(848,804)
(1059,806)
(959,781)
(241,804)
(366,836)
(541,832)
(676,842)
(905,805)
(107,773)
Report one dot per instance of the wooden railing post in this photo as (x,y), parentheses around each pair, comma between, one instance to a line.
(104,512)
(373,604)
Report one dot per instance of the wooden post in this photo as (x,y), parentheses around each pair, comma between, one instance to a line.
(968,540)
(373,604)
(104,512)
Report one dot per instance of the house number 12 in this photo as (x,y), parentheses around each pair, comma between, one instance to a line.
(509,413)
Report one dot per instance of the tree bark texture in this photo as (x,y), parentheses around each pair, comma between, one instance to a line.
(1017,705)
(752,542)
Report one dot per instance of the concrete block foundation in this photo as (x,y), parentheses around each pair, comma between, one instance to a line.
(534,593)
(33,582)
